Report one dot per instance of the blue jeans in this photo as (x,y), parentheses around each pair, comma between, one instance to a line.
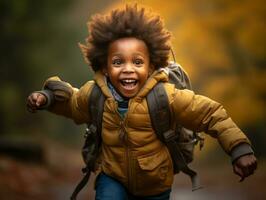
(107,188)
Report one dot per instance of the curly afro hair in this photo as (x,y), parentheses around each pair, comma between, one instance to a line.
(128,22)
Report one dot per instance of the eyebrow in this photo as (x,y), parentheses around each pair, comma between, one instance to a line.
(134,54)
(117,54)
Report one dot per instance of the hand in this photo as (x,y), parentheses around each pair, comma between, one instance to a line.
(35,101)
(245,166)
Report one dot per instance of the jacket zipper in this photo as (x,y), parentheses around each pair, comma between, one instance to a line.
(129,164)
(129,167)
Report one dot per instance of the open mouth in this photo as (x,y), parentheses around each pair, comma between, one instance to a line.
(128,83)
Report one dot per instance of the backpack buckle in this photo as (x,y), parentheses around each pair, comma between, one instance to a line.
(90,130)
(169,135)
(87,133)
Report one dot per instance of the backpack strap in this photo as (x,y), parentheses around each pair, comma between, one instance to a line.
(93,134)
(160,114)
(159,110)
(96,105)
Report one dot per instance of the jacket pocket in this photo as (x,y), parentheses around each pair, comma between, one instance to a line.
(149,163)
(156,171)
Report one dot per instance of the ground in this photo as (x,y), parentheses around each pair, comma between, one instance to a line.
(56,178)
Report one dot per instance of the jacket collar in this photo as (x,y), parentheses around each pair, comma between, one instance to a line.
(100,80)
(160,75)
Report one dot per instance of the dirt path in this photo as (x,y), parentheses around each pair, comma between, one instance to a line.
(20,181)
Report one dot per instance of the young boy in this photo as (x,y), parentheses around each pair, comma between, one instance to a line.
(128,50)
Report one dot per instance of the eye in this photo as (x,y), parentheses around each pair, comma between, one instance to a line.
(138,61)
(117,61)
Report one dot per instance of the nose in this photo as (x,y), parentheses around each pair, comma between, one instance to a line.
(128,68)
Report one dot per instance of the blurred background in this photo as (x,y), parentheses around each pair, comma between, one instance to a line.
(220,43)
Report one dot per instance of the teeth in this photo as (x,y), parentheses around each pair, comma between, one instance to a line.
(128,81)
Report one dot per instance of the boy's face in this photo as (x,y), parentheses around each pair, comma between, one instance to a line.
(128,65)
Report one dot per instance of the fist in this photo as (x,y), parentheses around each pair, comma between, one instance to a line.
(245,166)
(35,101)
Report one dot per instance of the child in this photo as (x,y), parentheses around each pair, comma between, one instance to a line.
(128,49)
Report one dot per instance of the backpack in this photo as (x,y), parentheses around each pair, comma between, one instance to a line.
(180,141)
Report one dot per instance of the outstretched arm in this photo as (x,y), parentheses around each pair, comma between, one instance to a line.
(200,113)
(61,98)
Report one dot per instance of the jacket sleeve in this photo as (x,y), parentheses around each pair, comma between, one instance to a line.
(241,150)
(200,113)
(65,100)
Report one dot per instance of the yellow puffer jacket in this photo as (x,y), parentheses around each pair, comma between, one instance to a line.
(131,152)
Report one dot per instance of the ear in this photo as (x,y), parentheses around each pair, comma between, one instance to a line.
(104,71)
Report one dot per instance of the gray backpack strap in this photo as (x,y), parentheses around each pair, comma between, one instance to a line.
(160,115)
(91,148)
